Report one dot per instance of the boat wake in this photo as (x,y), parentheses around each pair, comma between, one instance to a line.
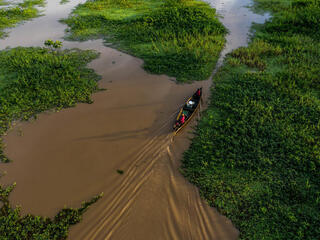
(135,176)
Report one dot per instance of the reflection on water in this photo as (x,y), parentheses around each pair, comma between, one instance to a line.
(36,31)
(237,18)
(235,15)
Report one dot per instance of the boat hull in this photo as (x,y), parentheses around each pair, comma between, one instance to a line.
(188,111)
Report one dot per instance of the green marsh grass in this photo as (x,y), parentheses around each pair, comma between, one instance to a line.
(12,14)
(15,226)
(182,39)
(33,80)
(64,1)
(120,171)
(256,153)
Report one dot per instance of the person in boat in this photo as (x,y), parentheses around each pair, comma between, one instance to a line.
(181,121)
(197,94)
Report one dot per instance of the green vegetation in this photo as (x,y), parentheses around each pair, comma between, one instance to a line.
(16,13)
(53,45)
(15,226)
(180,38)
(120,171)
(256,153)
(33,80)
(64,1)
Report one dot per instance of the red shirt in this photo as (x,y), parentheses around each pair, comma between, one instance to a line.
(198,93)
(182,119)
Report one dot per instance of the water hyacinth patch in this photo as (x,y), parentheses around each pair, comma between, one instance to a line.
(37,79)
(256,154)
(13,13)
(33,80)
(182,39)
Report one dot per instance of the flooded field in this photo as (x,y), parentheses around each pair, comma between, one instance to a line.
(66,157)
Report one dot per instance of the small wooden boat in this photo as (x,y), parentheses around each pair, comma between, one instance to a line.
(189,109)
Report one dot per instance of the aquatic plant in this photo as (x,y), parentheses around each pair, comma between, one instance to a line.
(15,226)
(14,13)
(64,1)
(182,39)
(256,154)
(53,45)
(120,171)
(33,80)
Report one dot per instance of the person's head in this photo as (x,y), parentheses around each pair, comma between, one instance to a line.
(183,115)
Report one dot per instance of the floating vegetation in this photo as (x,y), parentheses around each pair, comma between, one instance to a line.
(13,13)
(120,171)
(182,39)
(64,1)
(256,154)
(33,80)
(15,226)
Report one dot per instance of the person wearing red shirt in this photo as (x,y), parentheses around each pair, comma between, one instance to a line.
(197,94)
(182,119)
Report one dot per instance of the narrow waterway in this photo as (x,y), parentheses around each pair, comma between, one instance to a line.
(66,157)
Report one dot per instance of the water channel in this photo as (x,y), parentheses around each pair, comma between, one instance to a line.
(66,157)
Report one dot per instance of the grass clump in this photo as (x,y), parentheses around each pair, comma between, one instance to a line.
(33,80)
(15,226)
(182,39)
(256,154)
(253,56)
(64,1)
(12,13)
(120,171)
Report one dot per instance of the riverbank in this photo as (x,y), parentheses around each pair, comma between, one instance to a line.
(13,13)
(182,39)
(256,152)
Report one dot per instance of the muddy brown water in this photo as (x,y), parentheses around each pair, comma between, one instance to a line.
(66,157)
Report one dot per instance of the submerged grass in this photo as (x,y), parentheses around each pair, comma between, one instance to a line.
(182,39)
(256,154)
(33,80)
(13,13)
